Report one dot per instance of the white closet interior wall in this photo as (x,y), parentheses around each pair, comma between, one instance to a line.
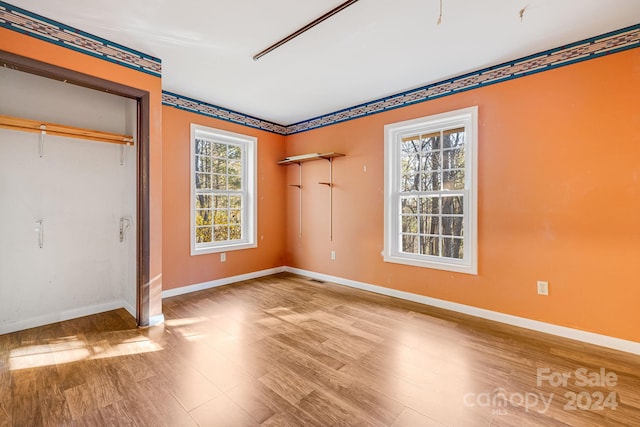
(80,190)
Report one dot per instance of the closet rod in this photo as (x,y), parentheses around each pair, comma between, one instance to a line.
(26,125)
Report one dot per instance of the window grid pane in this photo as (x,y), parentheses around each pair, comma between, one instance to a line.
(218,191)
(432,176)
(432,225)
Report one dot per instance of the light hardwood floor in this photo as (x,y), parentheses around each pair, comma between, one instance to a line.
(288,351)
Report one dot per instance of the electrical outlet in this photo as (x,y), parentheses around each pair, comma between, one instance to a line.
(333,255)
(543,288)
(223,256)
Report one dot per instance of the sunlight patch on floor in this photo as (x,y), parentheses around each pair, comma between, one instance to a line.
(73,349)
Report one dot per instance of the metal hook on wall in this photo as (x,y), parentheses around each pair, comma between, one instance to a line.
(125,224)
(43,132)
(40,231)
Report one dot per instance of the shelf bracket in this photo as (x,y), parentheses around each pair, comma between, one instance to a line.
(300,197)
(299,159)
(330,185)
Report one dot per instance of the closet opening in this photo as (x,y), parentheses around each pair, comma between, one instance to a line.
(142,142)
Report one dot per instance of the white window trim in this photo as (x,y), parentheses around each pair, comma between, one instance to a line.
(392,135)
(250,209)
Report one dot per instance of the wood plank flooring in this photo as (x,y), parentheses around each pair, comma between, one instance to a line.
(288,351)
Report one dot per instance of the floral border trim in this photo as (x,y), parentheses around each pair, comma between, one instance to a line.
(25,22)
(199,107)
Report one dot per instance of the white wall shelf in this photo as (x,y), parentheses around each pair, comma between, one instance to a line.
(309,157)
(299,159)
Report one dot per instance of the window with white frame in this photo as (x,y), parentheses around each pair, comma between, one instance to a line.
(431,191)
(223,190)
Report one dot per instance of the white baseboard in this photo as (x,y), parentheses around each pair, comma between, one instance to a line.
(220,282)
(548,328)
(562,331)
(158,319)
(131,309)
(61,316)
(49,318)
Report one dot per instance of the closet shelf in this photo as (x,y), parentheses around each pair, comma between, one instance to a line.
(309,157)
(26,125)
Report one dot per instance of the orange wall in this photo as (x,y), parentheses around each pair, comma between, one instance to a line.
(31,47)
(559,196)
(559,189)
(180,268)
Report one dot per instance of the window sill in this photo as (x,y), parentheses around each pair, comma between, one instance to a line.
(222,248)
(435,265)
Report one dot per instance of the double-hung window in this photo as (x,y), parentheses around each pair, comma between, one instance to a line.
(223,190)
(431,191)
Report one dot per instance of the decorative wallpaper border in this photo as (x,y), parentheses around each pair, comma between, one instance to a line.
(200,107)
(595,47)
(616,41)
(29,23)
(25,22)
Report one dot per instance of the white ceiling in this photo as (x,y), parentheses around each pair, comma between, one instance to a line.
(372,49)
